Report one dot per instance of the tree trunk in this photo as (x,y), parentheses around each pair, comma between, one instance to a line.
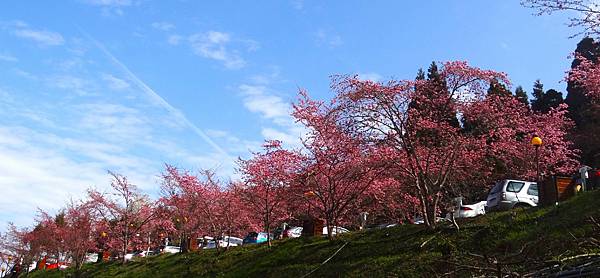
(329,227)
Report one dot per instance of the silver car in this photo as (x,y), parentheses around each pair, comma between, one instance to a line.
(508,194)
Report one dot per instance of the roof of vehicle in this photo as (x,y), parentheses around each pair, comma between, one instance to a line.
(519,180)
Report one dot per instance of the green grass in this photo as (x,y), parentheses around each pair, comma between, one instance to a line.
(543,234)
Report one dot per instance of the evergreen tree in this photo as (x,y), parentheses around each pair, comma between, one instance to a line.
(420,75)
(585,115)
(544,101)
(521,95)
(538,95)
(552,99)
(496,88)
(576,96)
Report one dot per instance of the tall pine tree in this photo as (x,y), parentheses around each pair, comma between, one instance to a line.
(542,101)
(521,95)
(584,113)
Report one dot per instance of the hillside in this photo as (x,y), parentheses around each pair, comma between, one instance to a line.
(522,242)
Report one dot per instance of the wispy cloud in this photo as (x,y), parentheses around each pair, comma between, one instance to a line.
(115,83)
(174,39)
(163,26)
(41,37)
(372,76)
(158,100)
(8,58)
(110,7)
(221,47)
(214,45)
(327,38)
(37,170)
(297,4)
(259,99)
(112,3)
(72,83)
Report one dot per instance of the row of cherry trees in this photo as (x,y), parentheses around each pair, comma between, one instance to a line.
(396,149)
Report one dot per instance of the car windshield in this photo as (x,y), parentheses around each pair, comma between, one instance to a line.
(514,186)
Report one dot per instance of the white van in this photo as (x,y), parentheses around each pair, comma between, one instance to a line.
(508,194)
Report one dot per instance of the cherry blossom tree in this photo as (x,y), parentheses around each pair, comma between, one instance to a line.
(16,248)
(202,205)
(586,13)
(267,178)
(431,152)
(338,168)
(124,212)
(389,201)
(587,75)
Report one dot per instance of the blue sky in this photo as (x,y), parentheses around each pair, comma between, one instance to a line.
(88,86)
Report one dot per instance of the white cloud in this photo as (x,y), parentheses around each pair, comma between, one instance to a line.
(110,7)
(372,76)
(42,37)
(111,3)
(215,45)
(325,38)
(174,39)
(72,83)
(8,58)
(38,170)
(297,4)
(156,99)
(114,122)
(163,26)
(25,74)
(259,99)
(274,134)
(115,83)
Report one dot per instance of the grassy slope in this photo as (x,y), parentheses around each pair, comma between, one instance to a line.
(405,251)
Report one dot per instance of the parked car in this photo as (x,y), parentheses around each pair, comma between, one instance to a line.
(508,194)
(171,249)
(223,242)
(335,230)
(91,257)
(292,232)
(386,225)
(254,238)
(146,253)
(419,220)
(468,211)
(231,241)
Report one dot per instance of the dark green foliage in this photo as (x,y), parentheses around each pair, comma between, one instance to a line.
(585,115)
(542,101)
(424,101)
(576,96)
(420,75)
(544,234)
(498,89)
(521,95)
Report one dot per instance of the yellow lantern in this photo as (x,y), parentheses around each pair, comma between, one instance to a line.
(536,141)
(103,234)
(309,194)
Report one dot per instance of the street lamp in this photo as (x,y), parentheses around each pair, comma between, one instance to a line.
(537,142)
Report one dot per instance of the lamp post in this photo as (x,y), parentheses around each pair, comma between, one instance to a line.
(308,195)
(537,142)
